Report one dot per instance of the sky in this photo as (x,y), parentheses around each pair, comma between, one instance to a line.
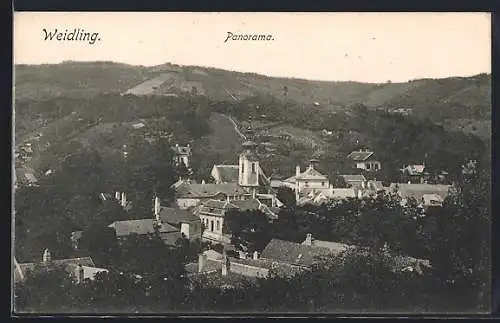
(365,47)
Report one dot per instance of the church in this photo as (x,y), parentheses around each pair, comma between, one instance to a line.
(243,181)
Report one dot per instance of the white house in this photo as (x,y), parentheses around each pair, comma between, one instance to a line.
(309,180)
(364,159)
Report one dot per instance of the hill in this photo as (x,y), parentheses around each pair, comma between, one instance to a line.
(440,99)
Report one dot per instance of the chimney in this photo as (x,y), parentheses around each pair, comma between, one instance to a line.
(297,170)
(227,198)
(225,265)
(124,200)
(203,182)
(202,259)
(81,274)
(176,145)
(255,255)
(308,241)
(253,193)
(117,196)
(363,184)
(157,208)
(46,256)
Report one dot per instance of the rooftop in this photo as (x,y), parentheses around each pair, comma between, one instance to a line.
(140,227)
(176,216)
(360,155)
(293,253)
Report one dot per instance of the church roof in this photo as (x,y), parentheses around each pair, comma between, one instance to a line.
(228,173)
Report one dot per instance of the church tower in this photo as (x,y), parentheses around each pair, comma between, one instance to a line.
(249,166)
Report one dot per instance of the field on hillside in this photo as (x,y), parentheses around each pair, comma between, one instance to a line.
(456,97)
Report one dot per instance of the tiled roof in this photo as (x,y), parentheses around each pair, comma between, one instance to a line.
(360,155)
(187,190)
(21,269)
(176,216)
(311,173)
(228,173)
(245,205)
(335,247)
(214,207)
(293,253)
(140,227)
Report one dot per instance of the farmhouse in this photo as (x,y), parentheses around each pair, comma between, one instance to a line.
(364,159)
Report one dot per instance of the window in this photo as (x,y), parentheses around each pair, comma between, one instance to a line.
(242,167)
(306,184)
(253,168)
(212,225)
(218,225)
(322,183)
(368,166)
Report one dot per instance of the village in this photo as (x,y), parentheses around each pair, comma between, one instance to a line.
(199,211)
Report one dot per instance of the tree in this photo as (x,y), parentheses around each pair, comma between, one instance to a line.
(101,243)
(287,196)
(250,229)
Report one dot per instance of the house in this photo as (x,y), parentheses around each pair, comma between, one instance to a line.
(211,214)
(168,233)
(335,248)
(424,194)
(138,125)
(182,154)
(311,251)
(77,268)
(364,159)
(210,262)
(309,180)
(329,195)
(184,221)
(192,194)
(292,253)
(354,180)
